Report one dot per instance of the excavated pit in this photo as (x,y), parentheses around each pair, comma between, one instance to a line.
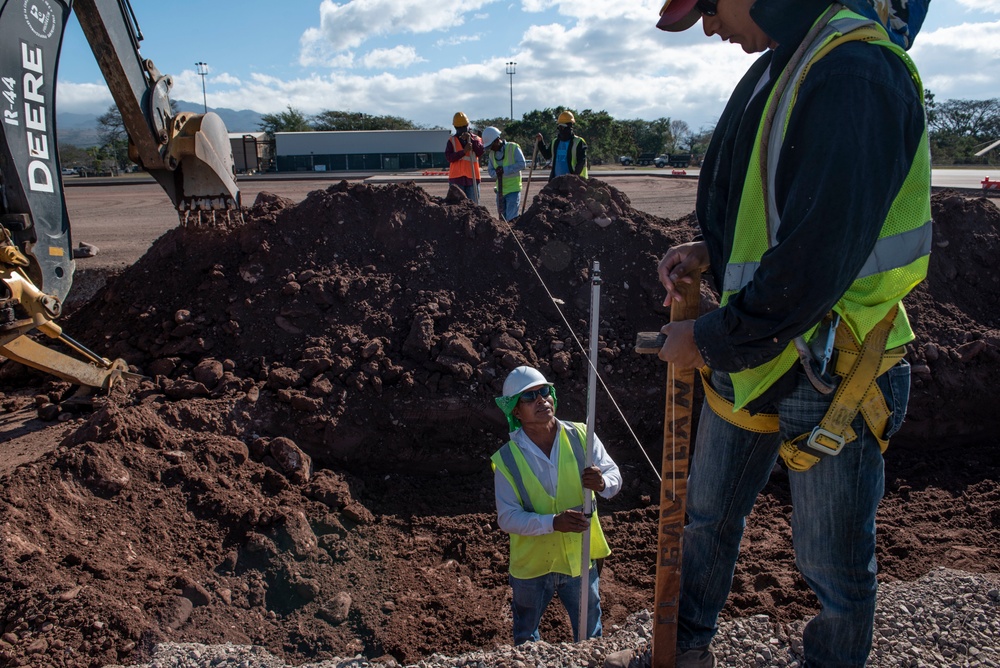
(367,329)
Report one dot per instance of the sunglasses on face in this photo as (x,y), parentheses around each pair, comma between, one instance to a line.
(543,391)
(707,7)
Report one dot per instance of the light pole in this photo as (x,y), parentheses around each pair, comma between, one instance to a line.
(510,72)
(203,72)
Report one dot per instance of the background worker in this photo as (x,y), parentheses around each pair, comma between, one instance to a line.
(463,151)
(539,481)
(816,257)
(505,162)
(568,152)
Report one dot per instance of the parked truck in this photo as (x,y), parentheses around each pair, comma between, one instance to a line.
(674,160)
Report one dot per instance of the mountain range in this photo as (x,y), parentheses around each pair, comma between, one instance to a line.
(81,129)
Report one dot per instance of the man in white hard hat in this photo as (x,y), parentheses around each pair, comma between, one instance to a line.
(505,162)
(539,480)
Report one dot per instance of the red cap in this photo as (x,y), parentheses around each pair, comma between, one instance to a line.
(678,15)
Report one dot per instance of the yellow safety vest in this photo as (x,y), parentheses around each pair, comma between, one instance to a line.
(509,184)
(898,262)
(557,552)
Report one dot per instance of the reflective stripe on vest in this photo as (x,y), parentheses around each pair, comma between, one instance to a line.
(570,156)
(510,184)
(464,167)
(556,552)
(899,259)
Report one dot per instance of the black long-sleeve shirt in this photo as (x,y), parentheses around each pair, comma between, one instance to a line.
(850,142)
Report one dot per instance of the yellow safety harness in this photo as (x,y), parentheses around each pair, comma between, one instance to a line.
(858,366)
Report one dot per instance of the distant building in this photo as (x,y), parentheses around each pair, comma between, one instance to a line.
(252,152)
(363,150)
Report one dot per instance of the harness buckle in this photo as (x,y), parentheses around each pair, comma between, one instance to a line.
(825,441)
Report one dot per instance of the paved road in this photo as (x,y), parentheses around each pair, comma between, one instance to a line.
(970,178)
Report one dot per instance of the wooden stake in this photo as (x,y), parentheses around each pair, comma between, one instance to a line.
(673,483)
(531,170)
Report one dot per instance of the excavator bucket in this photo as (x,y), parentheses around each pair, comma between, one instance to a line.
(204,158)
(197,170)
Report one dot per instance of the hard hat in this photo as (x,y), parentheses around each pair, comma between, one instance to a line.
(678,15)
(566,117)
(460,120)
(521,378)
(490,135)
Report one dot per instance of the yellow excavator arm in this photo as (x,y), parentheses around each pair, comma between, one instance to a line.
(189,155)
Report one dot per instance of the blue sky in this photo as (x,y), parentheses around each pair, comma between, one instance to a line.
(425,60)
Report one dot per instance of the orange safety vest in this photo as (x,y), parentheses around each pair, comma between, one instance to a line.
(464,167)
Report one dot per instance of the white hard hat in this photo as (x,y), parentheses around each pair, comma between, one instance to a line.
(490,135)
(521,378)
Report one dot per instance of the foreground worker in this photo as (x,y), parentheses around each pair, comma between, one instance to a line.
(539,480)
(462,152)
(505,162)
(813,260)
(568,152)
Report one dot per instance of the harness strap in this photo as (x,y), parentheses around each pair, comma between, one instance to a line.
(857,392)
(858,366)
(760,423)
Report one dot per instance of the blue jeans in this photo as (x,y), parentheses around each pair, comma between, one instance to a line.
(531,598)
(509,205)
(833,519)
(471,191)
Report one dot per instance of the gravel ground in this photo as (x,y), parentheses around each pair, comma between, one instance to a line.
(947,619)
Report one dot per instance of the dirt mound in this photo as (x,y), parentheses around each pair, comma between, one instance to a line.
(307,466)
(956,313)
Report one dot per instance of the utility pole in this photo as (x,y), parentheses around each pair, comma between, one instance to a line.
(203,72)
(510,72)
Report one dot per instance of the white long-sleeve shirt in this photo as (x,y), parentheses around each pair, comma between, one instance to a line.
(511,517)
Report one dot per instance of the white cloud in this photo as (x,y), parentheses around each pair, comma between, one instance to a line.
(583,54)
(647,10)
(351,24)
(960,61)
(977,39)
(224,79)
(390,59)
(85,98)
(455,40)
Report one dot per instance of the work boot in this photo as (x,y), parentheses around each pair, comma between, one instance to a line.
(698,657)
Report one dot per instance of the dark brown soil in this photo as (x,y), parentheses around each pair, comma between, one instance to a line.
(306,467)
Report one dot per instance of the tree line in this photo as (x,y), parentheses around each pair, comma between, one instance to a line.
(957,130)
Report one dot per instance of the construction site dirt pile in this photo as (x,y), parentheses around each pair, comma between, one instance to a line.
(306,466)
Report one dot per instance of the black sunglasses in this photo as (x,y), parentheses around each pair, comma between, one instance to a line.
(707,7)
(543,391)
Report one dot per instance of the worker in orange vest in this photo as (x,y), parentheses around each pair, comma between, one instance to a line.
(463,152)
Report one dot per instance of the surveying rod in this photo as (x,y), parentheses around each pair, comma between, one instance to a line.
(588,495)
